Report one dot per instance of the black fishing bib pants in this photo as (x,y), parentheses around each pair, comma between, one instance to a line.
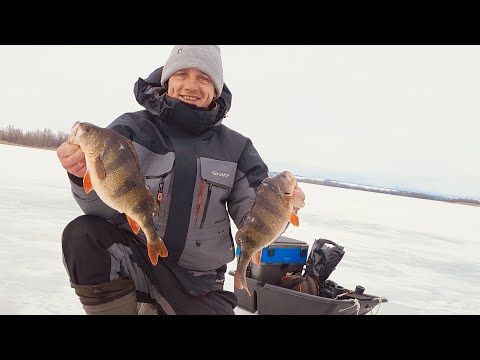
(96,251)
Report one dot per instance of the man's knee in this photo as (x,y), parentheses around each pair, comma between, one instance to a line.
(76,231)
(80,226)
(86,244)
(84,232)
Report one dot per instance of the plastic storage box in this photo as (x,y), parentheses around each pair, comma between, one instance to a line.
(283,255)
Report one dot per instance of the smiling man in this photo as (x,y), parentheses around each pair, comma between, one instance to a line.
(201,173)
(194,74)
(192,86)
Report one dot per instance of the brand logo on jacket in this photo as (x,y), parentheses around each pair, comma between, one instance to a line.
(216,173)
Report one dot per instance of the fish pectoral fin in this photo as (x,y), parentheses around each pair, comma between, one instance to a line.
(294,219)
(100,168)
(135,227)
(87,182)
(256,258)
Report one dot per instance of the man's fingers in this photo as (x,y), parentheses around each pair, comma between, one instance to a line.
(66,149)
(77,157)
(81,172)
(298,199)
(75,167)
(72,159)
(298,193)
(78,169)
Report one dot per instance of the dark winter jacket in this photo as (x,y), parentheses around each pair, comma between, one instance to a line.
(200,169)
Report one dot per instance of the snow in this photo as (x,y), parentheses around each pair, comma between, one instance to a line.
(422,255)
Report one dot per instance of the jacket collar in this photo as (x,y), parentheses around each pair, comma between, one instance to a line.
(151,95)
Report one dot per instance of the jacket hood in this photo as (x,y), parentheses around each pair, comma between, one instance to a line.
(150,94)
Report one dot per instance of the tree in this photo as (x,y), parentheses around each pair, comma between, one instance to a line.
(45,138)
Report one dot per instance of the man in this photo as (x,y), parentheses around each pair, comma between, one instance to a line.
(200,171)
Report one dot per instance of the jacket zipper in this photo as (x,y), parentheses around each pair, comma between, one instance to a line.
(160,190)
(168,194)
(160,186)
(207,201)
(199,202)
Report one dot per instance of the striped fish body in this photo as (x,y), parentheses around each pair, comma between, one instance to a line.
(113,171)
(270,214)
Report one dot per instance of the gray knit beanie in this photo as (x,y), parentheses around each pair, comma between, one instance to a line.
(206,58)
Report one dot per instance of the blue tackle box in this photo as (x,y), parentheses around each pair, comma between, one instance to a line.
(283,255)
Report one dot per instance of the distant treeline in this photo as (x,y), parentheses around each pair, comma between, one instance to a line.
(418,195)
(45,138)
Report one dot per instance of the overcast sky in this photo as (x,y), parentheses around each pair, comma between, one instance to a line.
(394,116)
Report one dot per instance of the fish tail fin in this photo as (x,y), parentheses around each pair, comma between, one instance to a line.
(162,249)
(241,281)
(156,248)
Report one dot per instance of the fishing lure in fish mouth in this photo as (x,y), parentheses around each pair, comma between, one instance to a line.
(113,171)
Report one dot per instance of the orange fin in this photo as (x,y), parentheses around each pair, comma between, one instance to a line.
(294,219)
(135,227)
(256,257)
(156,248)
(241,283)
(87,182)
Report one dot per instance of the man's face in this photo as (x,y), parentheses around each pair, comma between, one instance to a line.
(191,86)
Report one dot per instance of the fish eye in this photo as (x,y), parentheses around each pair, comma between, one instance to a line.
(87,128)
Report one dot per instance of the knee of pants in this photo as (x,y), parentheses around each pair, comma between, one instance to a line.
(80,235)
(85,244)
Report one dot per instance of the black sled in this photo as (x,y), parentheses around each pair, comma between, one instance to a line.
(289,283)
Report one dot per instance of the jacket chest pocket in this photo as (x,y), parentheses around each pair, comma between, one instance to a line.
(159,181)
(217,178)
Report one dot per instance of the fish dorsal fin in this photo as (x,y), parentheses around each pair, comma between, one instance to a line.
(129,145)
(100,168)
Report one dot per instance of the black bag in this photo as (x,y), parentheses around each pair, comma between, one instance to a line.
(323,259)
(327,289)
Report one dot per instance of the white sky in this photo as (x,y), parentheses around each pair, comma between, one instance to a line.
(423,264)
(392,116)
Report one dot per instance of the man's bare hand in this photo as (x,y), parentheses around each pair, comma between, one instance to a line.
(299,194)
(72,159)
